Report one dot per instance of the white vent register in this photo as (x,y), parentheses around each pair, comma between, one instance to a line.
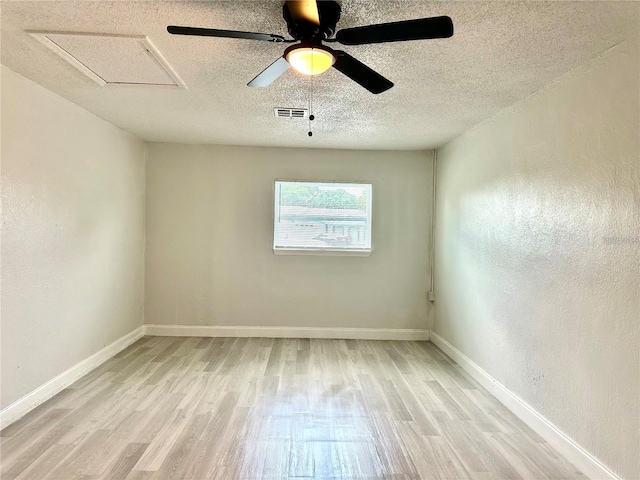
(290,112)
(322,218)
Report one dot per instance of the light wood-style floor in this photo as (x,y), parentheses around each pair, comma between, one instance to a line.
(252,408)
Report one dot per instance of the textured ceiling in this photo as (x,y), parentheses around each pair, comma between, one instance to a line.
(500,53)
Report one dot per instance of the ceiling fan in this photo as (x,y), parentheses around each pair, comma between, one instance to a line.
(312,22)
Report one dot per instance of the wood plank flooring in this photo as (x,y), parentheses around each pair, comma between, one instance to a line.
(256,408)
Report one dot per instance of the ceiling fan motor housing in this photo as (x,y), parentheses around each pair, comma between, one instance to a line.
(329,14)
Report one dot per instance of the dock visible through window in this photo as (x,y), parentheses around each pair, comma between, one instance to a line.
(318,217)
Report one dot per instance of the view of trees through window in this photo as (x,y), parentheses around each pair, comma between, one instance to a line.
(294,194)
(322,216)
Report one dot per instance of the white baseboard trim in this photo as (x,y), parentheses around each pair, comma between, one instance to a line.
(287,332)
(583,460)
(31,400)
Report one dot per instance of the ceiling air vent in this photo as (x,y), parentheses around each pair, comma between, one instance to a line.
(290,112)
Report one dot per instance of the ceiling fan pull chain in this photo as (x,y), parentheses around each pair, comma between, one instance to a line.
(311,116)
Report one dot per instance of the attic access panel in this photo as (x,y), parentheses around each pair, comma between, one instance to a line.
(108,59)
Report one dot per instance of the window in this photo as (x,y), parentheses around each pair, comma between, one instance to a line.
(327,217)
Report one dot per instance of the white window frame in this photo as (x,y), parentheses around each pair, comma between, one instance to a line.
(348,252)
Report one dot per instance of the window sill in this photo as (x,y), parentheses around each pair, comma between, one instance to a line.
(333,252)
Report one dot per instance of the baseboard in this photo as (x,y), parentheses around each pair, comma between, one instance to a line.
(31,400)
(583,460)
(287,332)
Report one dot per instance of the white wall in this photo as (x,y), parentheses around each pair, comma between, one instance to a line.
(72,235)
(538,248)
(209,258)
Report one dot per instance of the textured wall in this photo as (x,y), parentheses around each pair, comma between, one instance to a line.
(209,258)
(72,235)
(537,253)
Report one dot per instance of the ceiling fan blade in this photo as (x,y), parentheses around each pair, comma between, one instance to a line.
(304,10)
(212,32)
(270,74)
(360,73)
(420,29)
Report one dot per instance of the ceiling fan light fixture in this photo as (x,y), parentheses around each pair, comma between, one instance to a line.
(310,60)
